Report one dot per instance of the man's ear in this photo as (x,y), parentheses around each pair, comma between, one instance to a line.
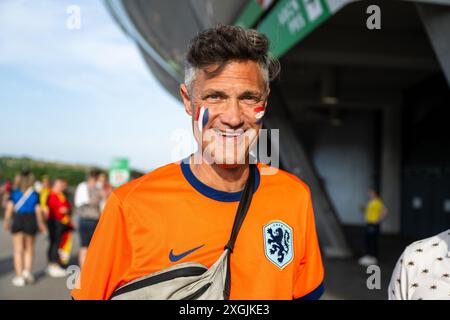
(186,99)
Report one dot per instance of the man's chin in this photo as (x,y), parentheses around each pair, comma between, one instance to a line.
(229,166)
(230,162)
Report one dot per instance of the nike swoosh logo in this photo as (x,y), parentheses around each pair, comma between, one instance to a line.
(175,257)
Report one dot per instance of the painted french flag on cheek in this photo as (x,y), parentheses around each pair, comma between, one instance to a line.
(259,113)
(201,117)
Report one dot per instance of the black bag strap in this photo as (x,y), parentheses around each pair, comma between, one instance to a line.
(244,204)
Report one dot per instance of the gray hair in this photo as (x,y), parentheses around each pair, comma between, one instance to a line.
(225,43)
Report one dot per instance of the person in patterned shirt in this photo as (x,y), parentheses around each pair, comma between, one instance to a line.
(423,270)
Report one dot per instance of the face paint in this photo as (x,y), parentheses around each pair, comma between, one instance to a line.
(201,118)
(259,113)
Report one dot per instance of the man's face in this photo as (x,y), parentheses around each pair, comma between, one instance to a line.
(46,182)
(59,185)
(91,181)
(101,178)
(226,111)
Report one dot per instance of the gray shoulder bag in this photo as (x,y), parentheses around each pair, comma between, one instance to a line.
(189,280)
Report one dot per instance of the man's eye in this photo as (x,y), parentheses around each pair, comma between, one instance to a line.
(250,99)
(213,97)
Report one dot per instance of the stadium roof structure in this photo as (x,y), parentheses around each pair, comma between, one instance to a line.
(324,47)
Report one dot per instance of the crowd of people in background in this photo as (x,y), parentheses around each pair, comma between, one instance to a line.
(43,206)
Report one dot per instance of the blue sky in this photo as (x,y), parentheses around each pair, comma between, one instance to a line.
(82,96)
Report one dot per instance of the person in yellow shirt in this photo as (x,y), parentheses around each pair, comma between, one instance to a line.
(374,213)
(44,192)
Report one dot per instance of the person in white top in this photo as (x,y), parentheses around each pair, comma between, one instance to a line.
(87,203)
(423,270)
(81,194)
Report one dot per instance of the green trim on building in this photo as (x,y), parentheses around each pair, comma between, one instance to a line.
(250,15)
(292,20)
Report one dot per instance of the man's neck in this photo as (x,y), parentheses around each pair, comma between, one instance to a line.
(223,178)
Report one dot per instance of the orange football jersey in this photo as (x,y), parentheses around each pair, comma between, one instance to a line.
(168,216)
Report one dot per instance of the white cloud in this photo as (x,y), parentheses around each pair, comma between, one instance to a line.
(34,37)
(96,67)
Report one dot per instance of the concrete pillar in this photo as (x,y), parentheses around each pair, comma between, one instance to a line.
(295,159)
(390,184)
(436,19)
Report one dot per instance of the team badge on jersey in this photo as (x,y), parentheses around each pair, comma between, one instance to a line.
(278,243)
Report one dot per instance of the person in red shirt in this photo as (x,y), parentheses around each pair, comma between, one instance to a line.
(58,223)
(6,191)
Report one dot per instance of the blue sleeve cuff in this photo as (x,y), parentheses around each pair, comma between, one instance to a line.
(315,294)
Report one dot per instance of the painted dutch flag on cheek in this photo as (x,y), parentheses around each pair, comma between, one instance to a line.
(201,118)
(259,113)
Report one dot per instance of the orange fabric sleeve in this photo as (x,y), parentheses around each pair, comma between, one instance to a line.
(108,257)
(309,277)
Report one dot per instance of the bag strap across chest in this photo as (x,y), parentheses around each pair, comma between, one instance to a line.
(244,205)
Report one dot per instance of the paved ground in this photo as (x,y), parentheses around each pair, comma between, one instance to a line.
(45,286)
(344,278)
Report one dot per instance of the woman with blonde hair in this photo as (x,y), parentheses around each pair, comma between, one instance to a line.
(23,216)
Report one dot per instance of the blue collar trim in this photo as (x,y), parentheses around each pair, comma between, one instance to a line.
(213,193)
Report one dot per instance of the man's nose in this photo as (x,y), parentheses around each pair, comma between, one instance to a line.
(232,115)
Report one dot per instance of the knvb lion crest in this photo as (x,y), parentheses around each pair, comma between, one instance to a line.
(278,243)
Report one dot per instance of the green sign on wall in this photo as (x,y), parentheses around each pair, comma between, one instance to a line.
(251,13)
(291,20)
(119,173)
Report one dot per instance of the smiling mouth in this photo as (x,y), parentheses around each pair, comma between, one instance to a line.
(228,134)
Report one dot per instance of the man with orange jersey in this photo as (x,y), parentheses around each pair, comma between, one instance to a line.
(184,211)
